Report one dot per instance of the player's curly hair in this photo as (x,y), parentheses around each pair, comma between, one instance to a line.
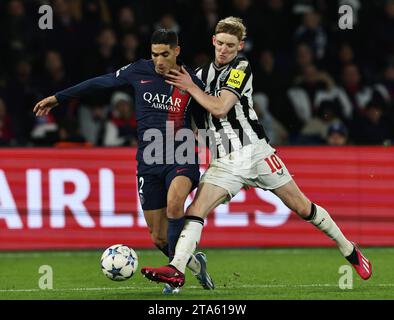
(232,25)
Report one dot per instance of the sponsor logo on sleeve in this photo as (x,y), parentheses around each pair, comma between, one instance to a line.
(236,78)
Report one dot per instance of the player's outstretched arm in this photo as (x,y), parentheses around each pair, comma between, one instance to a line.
(218,106)
(108,81)
(43,107)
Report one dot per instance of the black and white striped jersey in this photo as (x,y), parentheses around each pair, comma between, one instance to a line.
(240,127)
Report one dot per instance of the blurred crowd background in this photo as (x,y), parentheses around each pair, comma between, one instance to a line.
(314,84)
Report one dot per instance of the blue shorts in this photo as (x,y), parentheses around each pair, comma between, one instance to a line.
(154,182)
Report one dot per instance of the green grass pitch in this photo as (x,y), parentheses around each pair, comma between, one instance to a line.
(252,274)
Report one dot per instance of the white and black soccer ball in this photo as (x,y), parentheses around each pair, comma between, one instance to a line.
(119,262)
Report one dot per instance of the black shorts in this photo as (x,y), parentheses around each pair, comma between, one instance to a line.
(154,182)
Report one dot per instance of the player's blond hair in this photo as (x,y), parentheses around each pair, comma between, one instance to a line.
(232,25)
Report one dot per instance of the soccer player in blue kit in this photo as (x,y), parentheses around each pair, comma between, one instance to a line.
(163,187)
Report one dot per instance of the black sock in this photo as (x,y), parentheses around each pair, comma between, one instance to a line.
(313,213)
(175,227)
(164,249)
(353,258)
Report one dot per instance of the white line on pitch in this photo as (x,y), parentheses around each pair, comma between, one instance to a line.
(193,287)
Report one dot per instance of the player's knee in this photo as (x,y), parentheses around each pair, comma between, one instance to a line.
(175,208)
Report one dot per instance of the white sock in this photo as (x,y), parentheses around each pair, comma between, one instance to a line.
(187,242)
(194,265)
(324,222)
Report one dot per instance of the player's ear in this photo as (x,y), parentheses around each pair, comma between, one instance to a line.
(213,39)
(241,45)
(177,51)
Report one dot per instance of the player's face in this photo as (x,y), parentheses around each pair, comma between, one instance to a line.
(226,47)
(164,57)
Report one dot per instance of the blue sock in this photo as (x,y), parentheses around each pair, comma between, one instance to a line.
(175,227)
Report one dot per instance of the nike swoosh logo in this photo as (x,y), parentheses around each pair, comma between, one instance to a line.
(146,81)
(181,170)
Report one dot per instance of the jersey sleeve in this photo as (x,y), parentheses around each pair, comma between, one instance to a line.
(118,79)
(198,82)
(237,78)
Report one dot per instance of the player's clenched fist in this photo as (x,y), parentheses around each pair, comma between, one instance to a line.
(43,107)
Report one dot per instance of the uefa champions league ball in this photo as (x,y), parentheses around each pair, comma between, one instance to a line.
(119,262)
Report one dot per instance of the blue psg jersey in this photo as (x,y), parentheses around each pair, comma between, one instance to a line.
(158,105)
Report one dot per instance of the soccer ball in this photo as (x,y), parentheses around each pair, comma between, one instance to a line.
(119,262)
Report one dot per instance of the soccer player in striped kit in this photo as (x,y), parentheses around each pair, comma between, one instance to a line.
(244,156)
